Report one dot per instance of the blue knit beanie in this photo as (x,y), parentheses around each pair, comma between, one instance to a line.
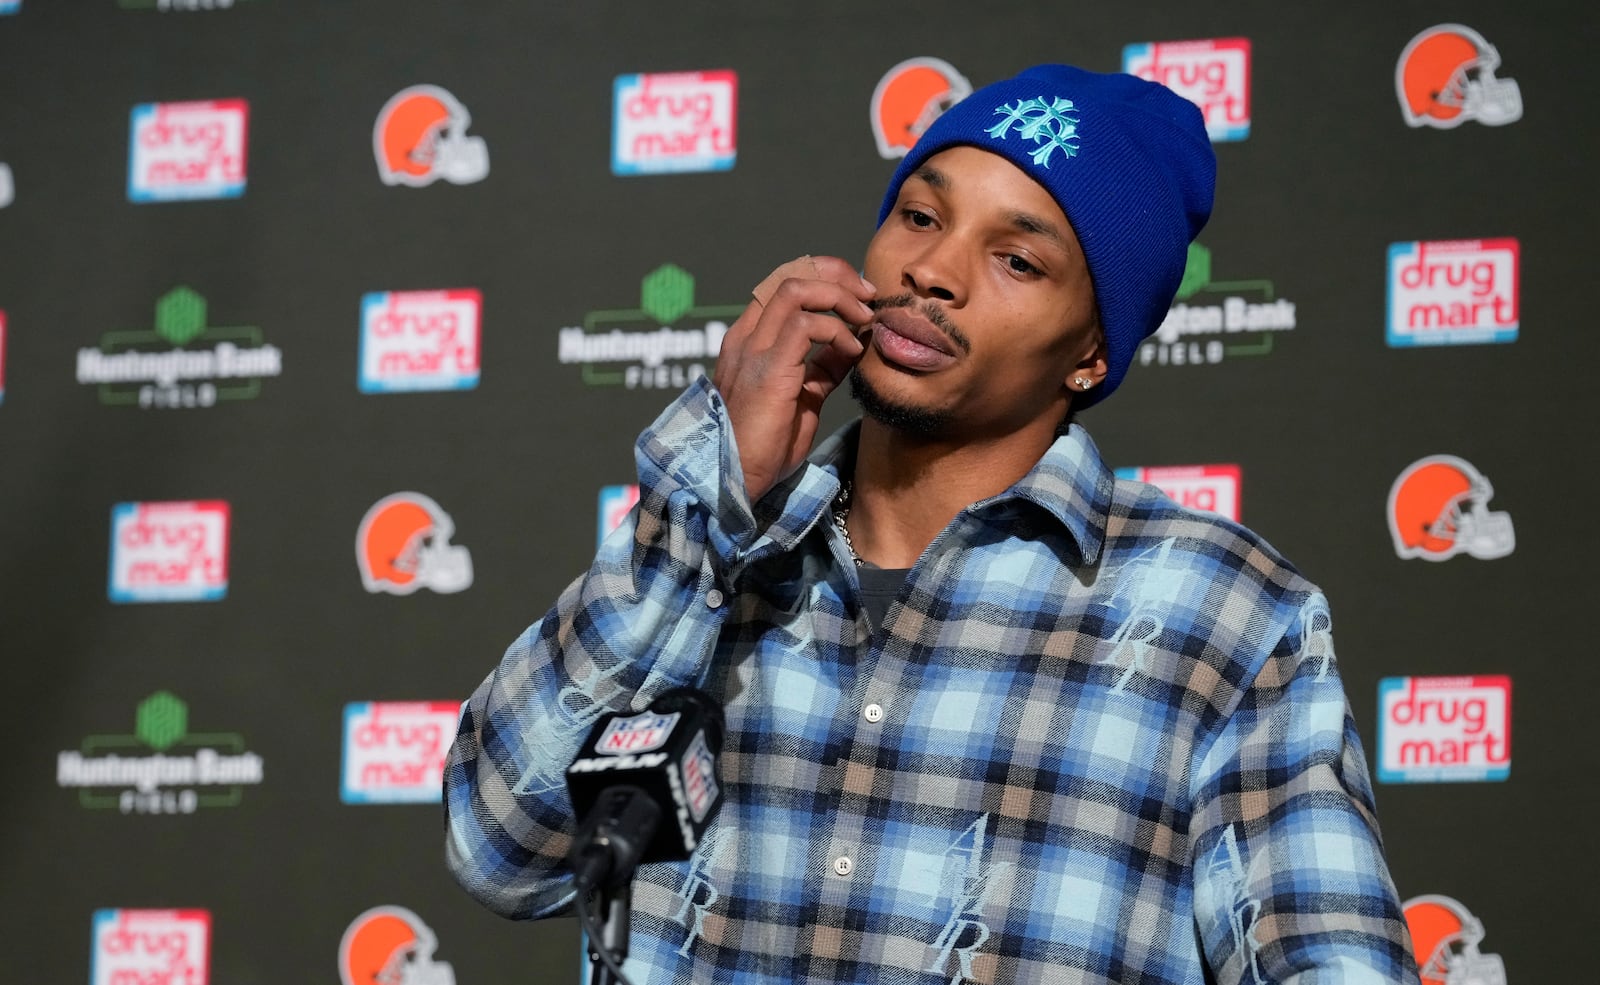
(1130,165)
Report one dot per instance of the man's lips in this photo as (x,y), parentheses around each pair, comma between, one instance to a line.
(906,340)
(902,322)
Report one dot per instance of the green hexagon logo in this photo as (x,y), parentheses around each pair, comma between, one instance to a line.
(180,315)
(162,719)
(667,293)
(1196,272)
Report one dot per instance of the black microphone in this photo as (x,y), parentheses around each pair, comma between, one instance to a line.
(646,787)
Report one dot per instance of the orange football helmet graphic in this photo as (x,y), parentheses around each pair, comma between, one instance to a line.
(1446,76)
(909,98)
(1438,508)
(421,137)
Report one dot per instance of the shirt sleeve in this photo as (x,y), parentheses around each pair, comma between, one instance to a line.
(1290,881)
(644,618)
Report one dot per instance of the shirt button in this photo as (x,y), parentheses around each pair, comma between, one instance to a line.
(873,713)
(713,599)
(842,865)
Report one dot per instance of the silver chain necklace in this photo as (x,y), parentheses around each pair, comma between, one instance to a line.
(841,513)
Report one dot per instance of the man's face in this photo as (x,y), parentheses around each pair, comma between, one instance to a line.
(985,307)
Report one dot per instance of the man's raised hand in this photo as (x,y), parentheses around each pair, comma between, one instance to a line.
(771,380)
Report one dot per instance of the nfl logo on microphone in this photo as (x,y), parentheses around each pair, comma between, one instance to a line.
(641,733)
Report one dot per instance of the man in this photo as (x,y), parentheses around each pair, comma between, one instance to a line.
(992,714)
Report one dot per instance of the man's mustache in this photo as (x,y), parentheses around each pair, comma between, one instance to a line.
(929,310)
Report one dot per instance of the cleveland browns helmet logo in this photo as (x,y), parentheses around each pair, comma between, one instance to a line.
(390,945)
(421,137)
(1438,508)
(1446,76)
(403,544)
(1445,937)
(909,98)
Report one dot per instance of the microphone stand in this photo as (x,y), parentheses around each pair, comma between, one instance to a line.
(615,904)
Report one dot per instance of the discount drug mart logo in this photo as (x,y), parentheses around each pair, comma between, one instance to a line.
(665,342)
(169,552)
(1214,75)
(185,151)
(673,122)
(419,340)
(1208,488)
(1211,320)
(909,98)
(150,947)
(163,767)
(615,502)
(182,362)
(1444,729)
(394,751)
(1455,292)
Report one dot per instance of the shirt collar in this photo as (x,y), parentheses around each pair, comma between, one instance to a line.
(1070,482)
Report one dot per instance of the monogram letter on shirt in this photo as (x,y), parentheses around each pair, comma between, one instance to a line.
(1316,634)
(1230,880)
(1147,585)
(968,882)
(547,753)
(697,892)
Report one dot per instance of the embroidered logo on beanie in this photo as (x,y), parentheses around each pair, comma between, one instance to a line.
(1044,121)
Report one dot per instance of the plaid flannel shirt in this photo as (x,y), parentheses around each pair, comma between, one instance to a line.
(1099,738)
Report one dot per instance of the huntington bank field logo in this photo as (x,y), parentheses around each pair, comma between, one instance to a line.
(182,362)
(162,768)
(676,121)
(169,552)
(419,340)
(394,751)
(151,947)
(1214,75)
(183,151)
(1444,729)
(1457,292)
(665,342)
(1211,320)
(1208,488)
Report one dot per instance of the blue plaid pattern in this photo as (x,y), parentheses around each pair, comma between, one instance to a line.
(1113,746)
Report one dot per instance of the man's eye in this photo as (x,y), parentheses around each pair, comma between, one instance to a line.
(918,218)
(1020,265)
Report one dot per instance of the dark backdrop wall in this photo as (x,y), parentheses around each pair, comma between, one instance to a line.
(301,424)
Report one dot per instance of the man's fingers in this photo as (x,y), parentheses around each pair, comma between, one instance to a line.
(796,296)
(813,268)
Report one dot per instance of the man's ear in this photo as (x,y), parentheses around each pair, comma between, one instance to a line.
(1090,370)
